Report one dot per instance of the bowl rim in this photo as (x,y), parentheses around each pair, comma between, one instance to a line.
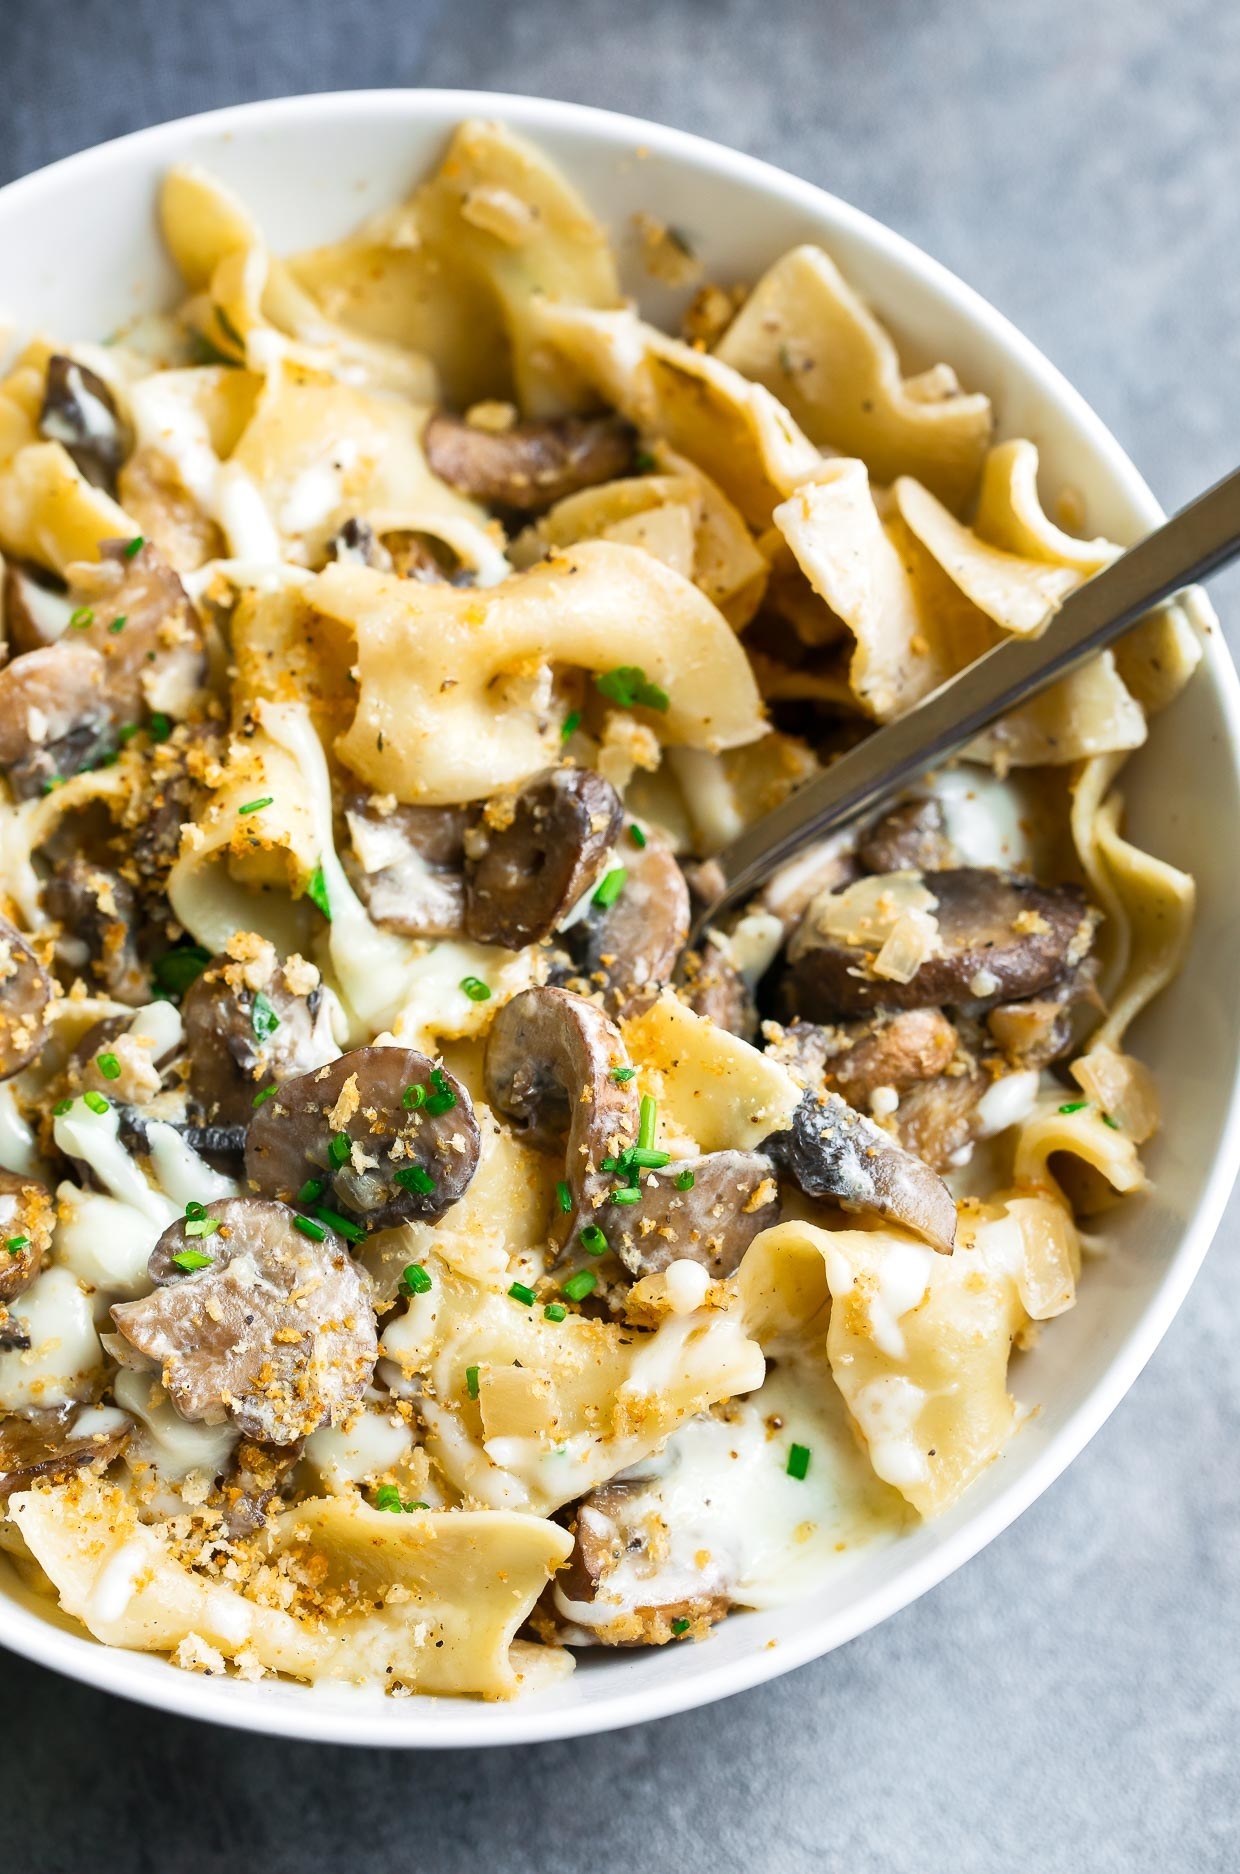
(467,1723)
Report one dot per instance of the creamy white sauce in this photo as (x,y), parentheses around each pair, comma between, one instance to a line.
(376,1440)
(986,817)
(753,945)
(174,1446)
(106,1244)
(887,1410)
(17,1144)
(116,1583)
(94,1137)
(172,424)
(49,612)
(181,1172)
(64,1355)
(1009,1101)
(903,1278)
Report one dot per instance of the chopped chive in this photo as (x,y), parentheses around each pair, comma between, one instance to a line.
(310,1228)
(160,726)
(643,461)
(416,1280)
(1074,1106)
(613,1164)
(475,989)
(471,1381)
(413,1097)
(316,892)
(414,1178)
(193,1210)
(16,1244)
(1108,1121)
(108,1066)
(572,722)
(684,1180)
(82,619)
(638,837)
(798,1461)
(555,1311)
(629,686)
(387,1497)
(128,730)
(256,806)
(418,1504)
(593,1241)
(621,1074)
(681,1625)
(263,1018)
(580,1285)
(118,624)
(339,1147)
(311,1190)
(443,1099)
(611,887)
(227,327)
(96,1101)
(61,1106)
(191,1259)
(344,1226)
(564,1197)
(200,1226)
(265,1094)
(521,1293)
(177,969)
(648,1160)
(54,781)
(647,1122)
(134,547)
(629,1194)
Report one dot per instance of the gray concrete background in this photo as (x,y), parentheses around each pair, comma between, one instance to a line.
(1070,1702)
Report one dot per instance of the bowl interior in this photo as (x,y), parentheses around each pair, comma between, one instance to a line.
(79,255)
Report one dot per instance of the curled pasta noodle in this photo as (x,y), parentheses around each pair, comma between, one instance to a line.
(716,1092)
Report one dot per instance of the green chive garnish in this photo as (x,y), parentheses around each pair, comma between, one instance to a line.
(413,1097)
(629,686)
(611,887)
(471,1381)
(128,730)
(1108,1121)
(160,726)
(310,1228)
(311,1191)
(118,624)
(680,1625)
(644,462)
(16,1244)
(108,1066)
(684,1180)
(564,1197)
(1074,1106)
(265,1094)
(416,1280)
(521,1293)
(193,1209)
(201,1226)
(55,781)
(443,1099)
(344,1226)
(626,1195)
(580,1285)
(648,1160)
(593,1241)
(414,1178)
(621,1074)
(191,1259)
(61,1106)
(316,892)
(134,547)
(475,989)
(339,1147)
(96,1101)
(798,1461)
(555,1311)
(82,619)
(387,1497)
(177,969)
(256,806)
(572,722)
(638,838)
(647,1122)
(263,1018)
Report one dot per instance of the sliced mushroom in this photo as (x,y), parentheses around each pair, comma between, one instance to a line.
(999,936)
(551,1065)
(251,1023)
(713,987)
(56,715)
(97,911)
(80,411)
(1042,1029)
(409,864)
(175,787)
(553,850)
(26,991)
(713,1221)
(258,1475)
(385,1135)
(857,1058)
(532,465)
(36,611)
(629,947)
(27,1217)
(623,1527)
(52,1445)
(276,1332)
(909,838)
(938,1119)
(833,1152)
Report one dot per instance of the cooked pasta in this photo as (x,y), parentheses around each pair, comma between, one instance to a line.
(417,1264)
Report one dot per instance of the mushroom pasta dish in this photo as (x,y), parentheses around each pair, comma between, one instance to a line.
(418,1263)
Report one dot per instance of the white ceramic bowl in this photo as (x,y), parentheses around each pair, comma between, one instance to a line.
(79,255)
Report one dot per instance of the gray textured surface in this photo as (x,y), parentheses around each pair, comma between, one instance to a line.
(1070,1703)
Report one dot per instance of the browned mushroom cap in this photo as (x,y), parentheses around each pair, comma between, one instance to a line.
(1042,1029)
(620,1524)
(893,1051)
(409,861)
(713,988)
(532,465)
(247,1026)
(733,1195)
(909,838)
(25,993)
(27,1214)
(56,716)
(157,659)
(258,1474)
(80,412)
(276,1332)
(632,944)
(175,785)
(551,1062)
(1000,936)
(552,851)
(98,914)
(937,1119)
(833,1152)
(47,1446)
(386,1135)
